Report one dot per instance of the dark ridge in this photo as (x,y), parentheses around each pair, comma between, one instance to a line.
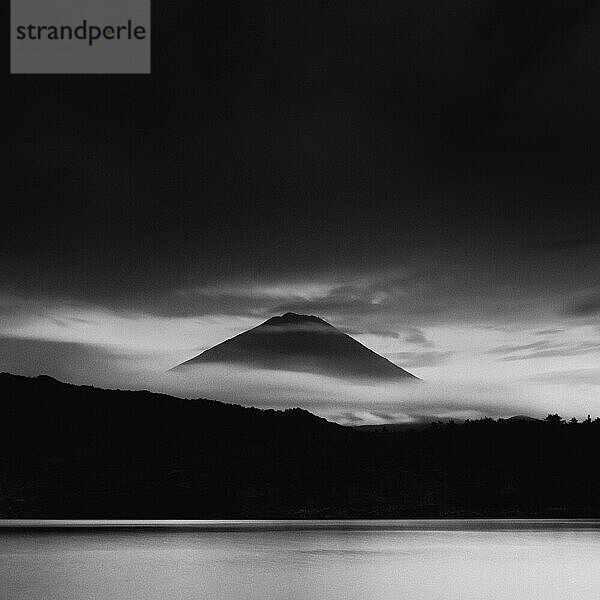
(412,426)
(79,452)
(73,452)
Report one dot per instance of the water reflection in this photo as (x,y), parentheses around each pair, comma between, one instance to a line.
(424,560)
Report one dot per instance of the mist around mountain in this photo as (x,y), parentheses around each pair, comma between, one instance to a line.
(305,343)
(424,423)
(80,452)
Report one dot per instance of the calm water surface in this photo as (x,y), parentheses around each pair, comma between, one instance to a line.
(326,560)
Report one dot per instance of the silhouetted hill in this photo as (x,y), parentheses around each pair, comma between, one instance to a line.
(301,343)
(80,452)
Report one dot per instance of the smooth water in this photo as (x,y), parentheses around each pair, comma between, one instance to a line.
(310,560)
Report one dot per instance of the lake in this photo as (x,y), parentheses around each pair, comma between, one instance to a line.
(302,560)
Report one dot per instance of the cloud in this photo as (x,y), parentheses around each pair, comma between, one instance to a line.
(570,377)
(333,397)
(420,359)
(575,341)
(346,401)
(385,303)
(73,362)
(416,296)
(411,335)
(560,350)
(417,337)
(153,340)
(382,333)
(511,348)
(437,130)
(363,403)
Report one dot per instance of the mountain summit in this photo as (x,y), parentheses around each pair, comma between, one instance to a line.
(305,343)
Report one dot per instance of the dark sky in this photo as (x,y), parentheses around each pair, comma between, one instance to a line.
(415,172)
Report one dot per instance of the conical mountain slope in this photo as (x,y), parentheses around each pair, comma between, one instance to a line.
(301,343)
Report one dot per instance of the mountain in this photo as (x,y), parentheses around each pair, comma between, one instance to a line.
(303,343)
(522,418)
(69,452)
